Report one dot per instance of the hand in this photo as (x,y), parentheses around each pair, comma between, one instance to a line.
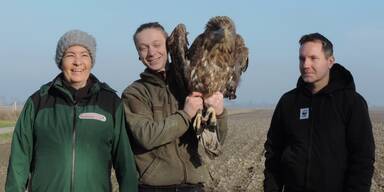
(216,101)
(193,103)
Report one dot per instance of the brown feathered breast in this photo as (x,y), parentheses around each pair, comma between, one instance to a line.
(215,60)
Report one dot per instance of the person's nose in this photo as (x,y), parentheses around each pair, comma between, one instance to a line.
(78,60)
(151,51)
(305,63)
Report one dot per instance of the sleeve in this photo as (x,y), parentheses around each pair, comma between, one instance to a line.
(361,148)
(273,150)
(145,130)
(123,161)
(21,150)
(222,126)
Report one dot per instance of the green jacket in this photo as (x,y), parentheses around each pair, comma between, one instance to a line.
(70,145)
(165,146)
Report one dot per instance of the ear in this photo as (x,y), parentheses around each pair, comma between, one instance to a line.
(331,61)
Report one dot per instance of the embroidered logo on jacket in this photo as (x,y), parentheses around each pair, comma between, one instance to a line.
(304,113)
(94,116)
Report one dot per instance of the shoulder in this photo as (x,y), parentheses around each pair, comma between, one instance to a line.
(107,98)
(350,98)
(138,84)
(137,88)
(359,98)
(289,96)
(358,101)
(44,89)
(108,93)
(42,94)
(348,102)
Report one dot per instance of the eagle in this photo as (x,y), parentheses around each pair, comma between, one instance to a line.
(214,62)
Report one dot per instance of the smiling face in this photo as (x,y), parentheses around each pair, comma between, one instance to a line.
(76,66)
(151,47)
(315,65)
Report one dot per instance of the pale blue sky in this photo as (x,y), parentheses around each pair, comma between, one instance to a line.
(30,29)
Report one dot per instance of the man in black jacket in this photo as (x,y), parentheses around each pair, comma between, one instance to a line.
(320,138)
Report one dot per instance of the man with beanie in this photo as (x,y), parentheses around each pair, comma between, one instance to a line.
(320,138)
(72,130)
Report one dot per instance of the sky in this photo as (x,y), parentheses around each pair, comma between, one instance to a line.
(29,31)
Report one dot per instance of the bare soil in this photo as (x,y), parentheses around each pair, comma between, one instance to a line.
(240,167)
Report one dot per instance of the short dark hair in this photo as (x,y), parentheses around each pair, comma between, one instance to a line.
(327,44)
(149,25)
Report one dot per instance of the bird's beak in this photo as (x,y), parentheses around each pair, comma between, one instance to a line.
(218,35)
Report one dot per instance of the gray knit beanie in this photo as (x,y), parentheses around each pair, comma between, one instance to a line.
(75,37)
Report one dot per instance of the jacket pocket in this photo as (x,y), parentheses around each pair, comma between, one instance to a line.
(285,156)
(148,173)
(293,167)
(158,112)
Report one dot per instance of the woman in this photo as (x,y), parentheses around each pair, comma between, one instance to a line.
(72,130)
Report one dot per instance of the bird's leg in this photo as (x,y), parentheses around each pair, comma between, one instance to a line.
(197,121)
(210,117)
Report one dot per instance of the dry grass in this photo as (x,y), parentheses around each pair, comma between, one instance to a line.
(7,123)
(10,115)
(5,138)
(377,118)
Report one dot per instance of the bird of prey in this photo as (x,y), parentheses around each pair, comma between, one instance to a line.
(214,62)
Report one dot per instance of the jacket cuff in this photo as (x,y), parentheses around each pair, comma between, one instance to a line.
(223,114)
(185,116)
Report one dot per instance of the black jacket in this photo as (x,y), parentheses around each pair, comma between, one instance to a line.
(322,141)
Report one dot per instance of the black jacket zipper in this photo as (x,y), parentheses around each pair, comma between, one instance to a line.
(73,149)
(177,151)
(310,140)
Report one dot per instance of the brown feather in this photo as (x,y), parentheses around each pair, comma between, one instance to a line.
(240,66)
(215,60)
(177,46)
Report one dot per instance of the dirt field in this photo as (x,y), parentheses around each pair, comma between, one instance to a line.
(240,168)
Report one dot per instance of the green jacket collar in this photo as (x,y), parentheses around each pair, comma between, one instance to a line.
(153,77)
(57,84)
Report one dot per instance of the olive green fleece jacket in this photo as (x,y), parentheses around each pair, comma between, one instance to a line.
(65,144)
(164,144)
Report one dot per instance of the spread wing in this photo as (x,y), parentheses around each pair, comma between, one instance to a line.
(240,66)
(241,54)
(177,45)
(194,69)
